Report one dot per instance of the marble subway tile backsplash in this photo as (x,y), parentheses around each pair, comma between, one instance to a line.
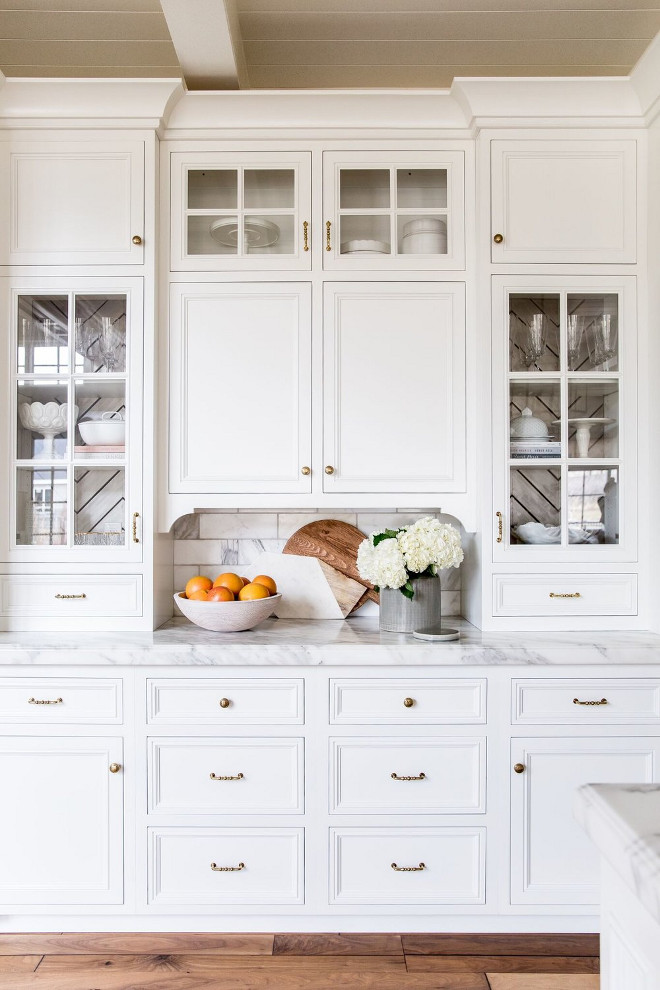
(208,542)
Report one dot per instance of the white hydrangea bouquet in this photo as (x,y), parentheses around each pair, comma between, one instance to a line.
(394,557)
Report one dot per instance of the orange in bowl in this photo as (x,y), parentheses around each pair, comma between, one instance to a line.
(251,592)
(229,580)
(199,596)
(198,583)
(219,594)
(267,582)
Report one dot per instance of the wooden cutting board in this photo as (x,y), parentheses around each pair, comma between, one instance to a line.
(335,543)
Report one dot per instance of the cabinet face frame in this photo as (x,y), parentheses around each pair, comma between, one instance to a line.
(126,155)
(624,287)
(181,163)
(11,289)
(538,249)
(452,161)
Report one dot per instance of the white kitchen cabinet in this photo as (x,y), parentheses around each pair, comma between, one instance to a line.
(61,830)
(394,210)
(552,860)
(561,202)
(72,202)
(233,211)
(240,387)
(394,387)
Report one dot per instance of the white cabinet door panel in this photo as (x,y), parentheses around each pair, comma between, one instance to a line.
(564,201)
(240,365)
(61,827)
(552,859)
(394,402)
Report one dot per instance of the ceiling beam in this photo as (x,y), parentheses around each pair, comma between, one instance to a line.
(207,40)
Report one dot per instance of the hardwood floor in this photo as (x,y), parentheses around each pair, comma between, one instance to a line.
(297,962)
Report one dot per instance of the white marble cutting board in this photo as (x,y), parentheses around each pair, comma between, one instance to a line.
(306,593)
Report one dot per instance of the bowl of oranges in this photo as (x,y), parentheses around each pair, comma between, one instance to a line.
(230,603)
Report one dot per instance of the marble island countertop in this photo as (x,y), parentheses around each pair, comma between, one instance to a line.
(299,642)
(623,821)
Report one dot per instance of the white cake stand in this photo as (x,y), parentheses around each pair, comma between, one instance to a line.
(583,431)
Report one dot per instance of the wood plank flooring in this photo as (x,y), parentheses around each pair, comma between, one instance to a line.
(176,961)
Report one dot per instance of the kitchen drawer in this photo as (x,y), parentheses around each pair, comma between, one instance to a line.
(383,777)
(564,594)
(580,700)
(257,866)
(70,595)
(231,777)
(60,700)
(222,701)
(379,701)
(363,860)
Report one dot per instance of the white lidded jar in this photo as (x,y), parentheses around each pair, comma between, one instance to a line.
(528,427)
(427,235)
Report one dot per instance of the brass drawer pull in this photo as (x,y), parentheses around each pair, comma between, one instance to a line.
(36,701)
(305,235)
(408,869)
(603,701)
(500,527)
(306,470)
(238,776)
(136,538)
(408,702)
(421,776)
(572,594)
(519,767)
(136,239)
(498,238)
(224,702)
(71,596)
(328,225)
(227,869)
(114,767)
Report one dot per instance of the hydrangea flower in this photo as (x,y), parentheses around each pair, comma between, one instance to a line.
(389,559)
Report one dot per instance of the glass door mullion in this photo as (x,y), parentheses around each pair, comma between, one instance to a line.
(563,406)
(393,214)
(240,218)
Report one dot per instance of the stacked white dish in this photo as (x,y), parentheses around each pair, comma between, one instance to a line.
(365,246)
(427,235)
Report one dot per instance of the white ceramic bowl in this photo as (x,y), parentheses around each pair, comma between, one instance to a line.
(48,417)
(103,431)
(227,616)
(365,247)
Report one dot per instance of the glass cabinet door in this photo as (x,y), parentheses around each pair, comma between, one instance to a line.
(73,421)
(232,211)
(563,444)
(393,210)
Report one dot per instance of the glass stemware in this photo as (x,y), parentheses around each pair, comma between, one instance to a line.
(602,341)
(110,342)
(574,331)
(533,337)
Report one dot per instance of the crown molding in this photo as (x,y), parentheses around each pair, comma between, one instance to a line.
(645,80)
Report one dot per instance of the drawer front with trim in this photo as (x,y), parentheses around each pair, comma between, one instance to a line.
(208,866)
(232,777)
(416,866)
(60,700)
(221,701)
(586,701)
(564,594)
(407,701)
(408,776)
(70,595)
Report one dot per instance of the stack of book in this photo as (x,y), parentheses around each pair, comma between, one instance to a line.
(535,448)
(101,451)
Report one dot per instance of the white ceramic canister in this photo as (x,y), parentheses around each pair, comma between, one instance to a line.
(425,236)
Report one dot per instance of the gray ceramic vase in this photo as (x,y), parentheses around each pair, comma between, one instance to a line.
(400,614)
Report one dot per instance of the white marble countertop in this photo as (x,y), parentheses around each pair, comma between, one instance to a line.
(299,642)
(623,821)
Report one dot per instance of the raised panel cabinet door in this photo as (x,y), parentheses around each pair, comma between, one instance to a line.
(394,388)
(74,203)
(240,388)
(552,859)
(563,201)
(61,828)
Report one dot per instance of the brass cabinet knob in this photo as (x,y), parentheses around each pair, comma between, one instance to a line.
(115,767)
(498,238)
(329,469)
(519,767)
(225,702)
(408,702)
(136,239)
(305,470)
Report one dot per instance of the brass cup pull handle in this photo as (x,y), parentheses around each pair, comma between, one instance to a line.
(305,235)
(136,516)
(328,225)
(136,239)
(114,767)
(500,527)
(519,767)
(409,869)
(224,702)
(38,701)
(227,869)
(408,702)
(306,470)
(71,596)
(498,238)
(603,701)
(565,594)
(421,776)
(239,776)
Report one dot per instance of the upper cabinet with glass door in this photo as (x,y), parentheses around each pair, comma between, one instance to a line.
(564,462)
(233,211)
(74,484)
(393,210)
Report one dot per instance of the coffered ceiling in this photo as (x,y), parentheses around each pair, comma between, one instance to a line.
(220,44)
